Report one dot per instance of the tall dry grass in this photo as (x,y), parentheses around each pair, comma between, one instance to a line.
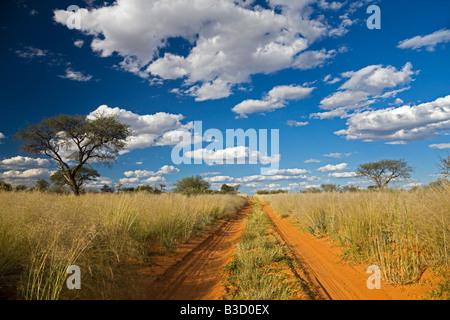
(258,270)
(42,234)
(403,232)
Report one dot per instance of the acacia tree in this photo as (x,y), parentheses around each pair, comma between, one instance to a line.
(226,188)
(444,166)
(42,185)
(191,185)
(384,171)
(83,175)
(329,187)
(72,142)
(5,186)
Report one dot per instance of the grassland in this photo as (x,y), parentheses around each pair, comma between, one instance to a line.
(405,233)
(42,234)
(262,265)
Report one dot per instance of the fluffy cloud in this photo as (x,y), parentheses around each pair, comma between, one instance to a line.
(343,27)
(220,179)
(145,173)
(342,174)
(429,41)
(313,59)
(328,79)
(338,112)
(26,174)
(216,89)
(275,99)
(157,129)
(29,52)
(21,163)
(204,174)
(278,177)
(99,183)
(337,155)
(287,172)
(400,125)
(300,185)
(364,87)
(412,185)
(239,154)
(293,123)
(440,146)
(333,167)
(2,136)
(128,182)
(273,186)
(24,170)
(256,180)
(168,170)
(230,40)
(76,76)
(311,161)
(134,178)
(330,5)
(78,43)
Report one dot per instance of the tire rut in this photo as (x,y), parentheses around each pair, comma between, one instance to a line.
(334,280)
(198,276)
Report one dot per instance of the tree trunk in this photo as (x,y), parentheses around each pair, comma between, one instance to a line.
(76,191)
(74,186)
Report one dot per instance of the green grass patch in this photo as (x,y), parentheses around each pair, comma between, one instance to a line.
(262,266)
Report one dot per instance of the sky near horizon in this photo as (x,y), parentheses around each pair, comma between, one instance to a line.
(339,94)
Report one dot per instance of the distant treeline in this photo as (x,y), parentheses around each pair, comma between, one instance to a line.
(187,186)
(271,192)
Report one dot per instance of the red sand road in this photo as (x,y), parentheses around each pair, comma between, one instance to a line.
(336,280)
(198,274)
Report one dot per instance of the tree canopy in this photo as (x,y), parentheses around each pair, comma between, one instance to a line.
(384,171)
(83,175)
(4,186)
(42,185)
(330,187)
(73,142)
(191,185)
(444,166)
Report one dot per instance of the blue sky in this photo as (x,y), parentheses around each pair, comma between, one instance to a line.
(339,93)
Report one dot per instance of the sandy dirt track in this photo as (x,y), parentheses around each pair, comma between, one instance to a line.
(199,273)
(196,271)
(321,266)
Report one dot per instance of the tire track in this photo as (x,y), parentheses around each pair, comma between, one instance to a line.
(320,266)
(198,276)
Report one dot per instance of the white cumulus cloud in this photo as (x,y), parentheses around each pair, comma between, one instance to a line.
(293,123)
(364,87)
(400,124)
(148,130)
(440,146)
(275,99)
(76,75)
(333,167)
(229,40)
(27,174)
(239,154)
(429,41)
(342,174)
(20,162)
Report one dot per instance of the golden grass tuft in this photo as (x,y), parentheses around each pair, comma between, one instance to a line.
(42,234)
(403,232)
